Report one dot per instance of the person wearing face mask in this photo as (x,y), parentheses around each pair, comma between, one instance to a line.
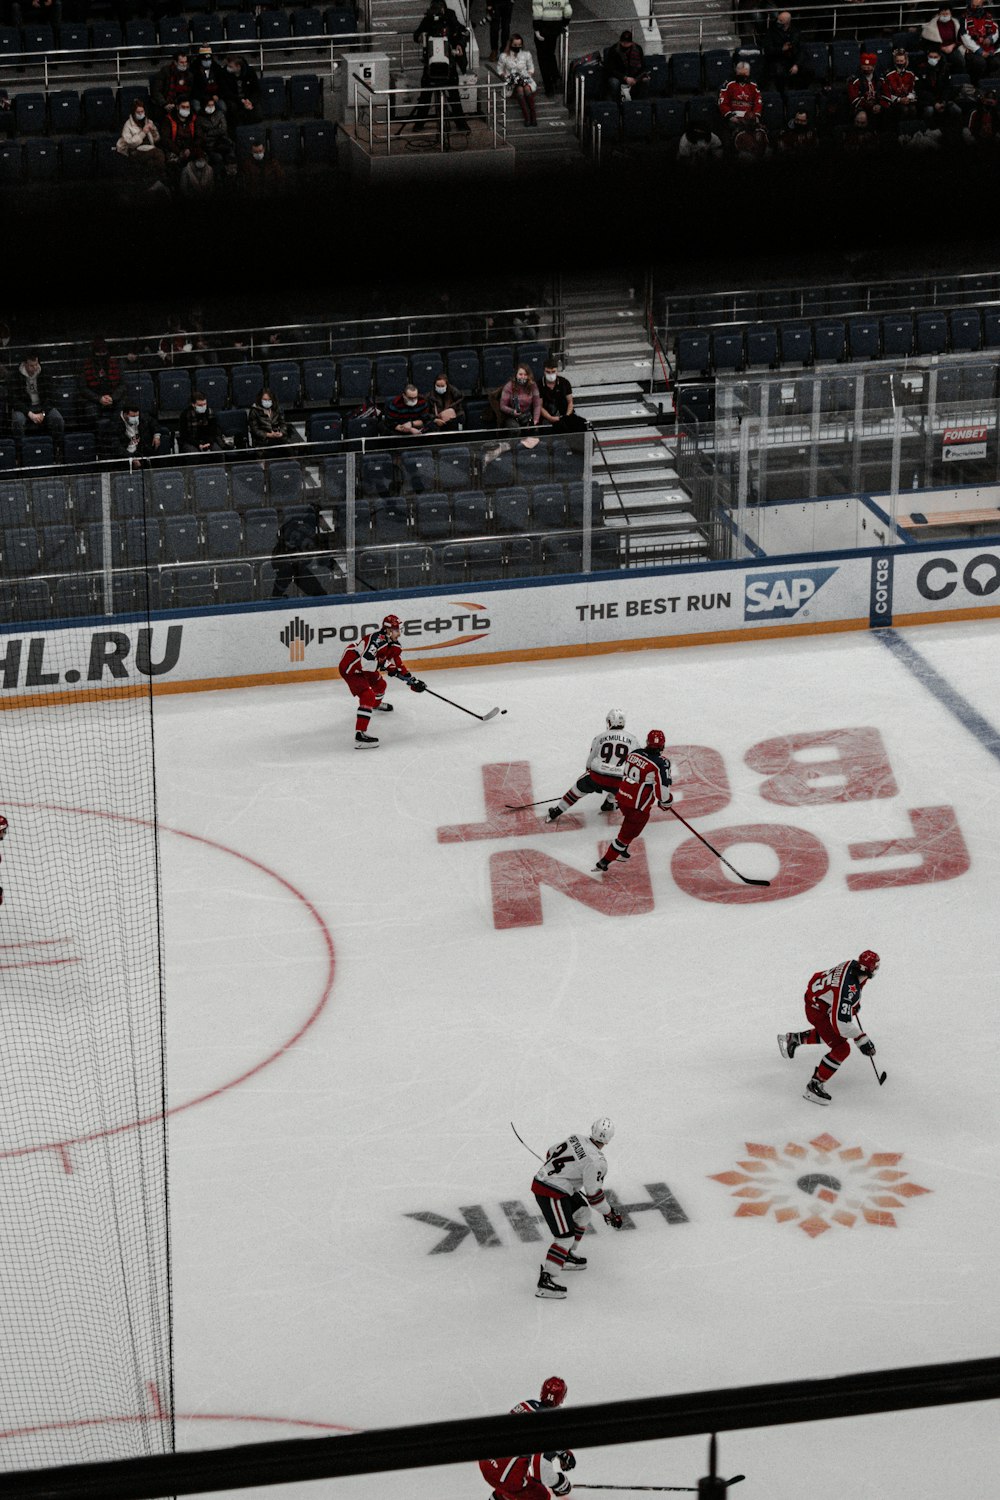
(980,40)
(138,142)
(943,31)
(214,134)
(172,83)
(180,135)
(267,422)
(197,179)
(557,412)
(936,99)
(133,435)
(447,404)
(516,67)
(408,415)
(207,76)
(199,430)
(260,174)
(520,401)
(239,90)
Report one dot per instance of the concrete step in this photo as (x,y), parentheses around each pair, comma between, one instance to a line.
(671,518)
(612,411)
(612,370)
(612,346)
(604,389)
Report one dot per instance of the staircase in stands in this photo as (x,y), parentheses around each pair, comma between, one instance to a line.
(620,387)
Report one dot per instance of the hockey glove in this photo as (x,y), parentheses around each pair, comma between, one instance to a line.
(867,1047)
(566,1460)
(666,801)
(416,686)
(613,1218)
(562,1486)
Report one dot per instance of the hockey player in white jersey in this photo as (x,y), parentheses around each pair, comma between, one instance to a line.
(608,753)
(566,1188)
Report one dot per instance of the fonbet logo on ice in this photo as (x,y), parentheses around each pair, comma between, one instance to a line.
(422,633)
(779,596)
(820,1185)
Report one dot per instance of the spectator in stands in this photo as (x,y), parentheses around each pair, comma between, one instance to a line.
(752,142)
(740,99)
(899,89)
(139,140)
(133,435)
(516,67)
(625,69)
(799,136)
(102,390)
(859,136)
(980,38)
(520,401)
(31,405)
(299,549)
(549,19)
(557,413)
(215,138)
(177,346)
(698,144)
(260,174)
(864,90)
(180,136)
(197,179)
(445,42)
(408,415)
(172,83)
(268,425)
(935,91)
(943,31)
(447,404)
(983,128)
(199,430)
(240,92)
(207,77)
(499,14)
(782,48)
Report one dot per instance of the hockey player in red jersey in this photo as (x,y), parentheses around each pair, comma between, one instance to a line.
(608,753)
(832,1001)
(534,1476)
(3,835)
(361,667)
(566,1187)
(645,782)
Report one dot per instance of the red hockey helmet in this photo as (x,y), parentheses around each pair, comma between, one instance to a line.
(553,1391)
(869,961)
(392,625)
(3,826)
(656,740)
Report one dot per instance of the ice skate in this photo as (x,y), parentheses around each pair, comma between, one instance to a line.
(575,1262)
(609,805)
(384,708)
(364,741)
(788,1044)
(553,813)
(816,1093)
(624,854)
(602,866)
(547,1287)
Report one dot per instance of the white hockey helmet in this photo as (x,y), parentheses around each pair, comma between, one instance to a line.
(616,718)
(601,1131)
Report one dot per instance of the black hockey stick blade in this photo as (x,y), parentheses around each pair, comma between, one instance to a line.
(736,1479)
(522,807)
(880,1076)
(491,715)
(746,879)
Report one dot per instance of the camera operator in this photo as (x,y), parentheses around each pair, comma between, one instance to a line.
(445,42)
(298,549)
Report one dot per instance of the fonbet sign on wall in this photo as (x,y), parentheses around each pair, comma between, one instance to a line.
(306,638)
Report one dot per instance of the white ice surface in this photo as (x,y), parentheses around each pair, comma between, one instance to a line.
(302,1292)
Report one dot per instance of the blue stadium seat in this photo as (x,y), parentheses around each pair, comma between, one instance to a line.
(248,485)
(979,382)
(174,32)
(274,25)
(534,355)
(36,452)
(181,539)
(8,454)
(324,427)
(728,352)
(99,113)
(210,487)
(75,597)
(128,496)
(105,36)
(829,340)
(685,72)
(11,166)
(463,369)
(478,414)
(455,467)
(658,68)
(307,21)
(485,561)
(717,65)
(15,503)
(498,365)
(548,506)
(319,381)
(837,393)
(424,365)
(419,467)
(141,33)
(284,481)
(34,600)
(671,118)
(59,548)
(72,36)
(796,343)
(50,502)
(284,380)
(948,390)
(391,374)
(432,515)
(213,382)
(339,22)
(284,142)
(844,60)
(816,57)
(241,26)
(518,557)
(512,508)
(305,96)
(965,331)
(232,426)
(333,478)
(187,588)
(354,380)
(531,465)
(86,497)
(167,490)
(319,143)
(470,512)
(693,353)
(260,531)
(246,383)
(30,117)
(932,333)
(234,583)
(173,392)
(390,515)
(207,30)
(79,448)
(20,552)
(223,534)
(496,465)
(40,160)
(762,346)
(65,111)
(863,337)
(377,474)
(703,110)
(897,335)
(37,38)
(76,160)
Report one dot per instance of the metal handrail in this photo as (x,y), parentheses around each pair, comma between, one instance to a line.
(368,108)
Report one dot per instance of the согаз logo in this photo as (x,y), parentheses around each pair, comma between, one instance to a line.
(779,596)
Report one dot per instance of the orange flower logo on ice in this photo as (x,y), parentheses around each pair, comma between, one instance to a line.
(820,1185)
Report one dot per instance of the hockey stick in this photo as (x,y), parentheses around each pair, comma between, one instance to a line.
(491,715)
(880,1076)
(690,1488)
(534,1154)
(521,806)
(745,878)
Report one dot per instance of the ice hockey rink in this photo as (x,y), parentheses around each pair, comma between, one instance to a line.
(373,967)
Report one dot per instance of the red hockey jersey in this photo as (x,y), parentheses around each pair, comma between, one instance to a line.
(377,652)
(644,781)
(740,97)
(838,991)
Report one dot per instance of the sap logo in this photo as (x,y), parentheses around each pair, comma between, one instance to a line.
(779,596)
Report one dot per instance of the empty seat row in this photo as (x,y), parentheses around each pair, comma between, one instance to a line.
(102,108)
(831,340)
(968,387)
(920,294)
(483,561)
(171,33)
(131,591)
(515,509)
